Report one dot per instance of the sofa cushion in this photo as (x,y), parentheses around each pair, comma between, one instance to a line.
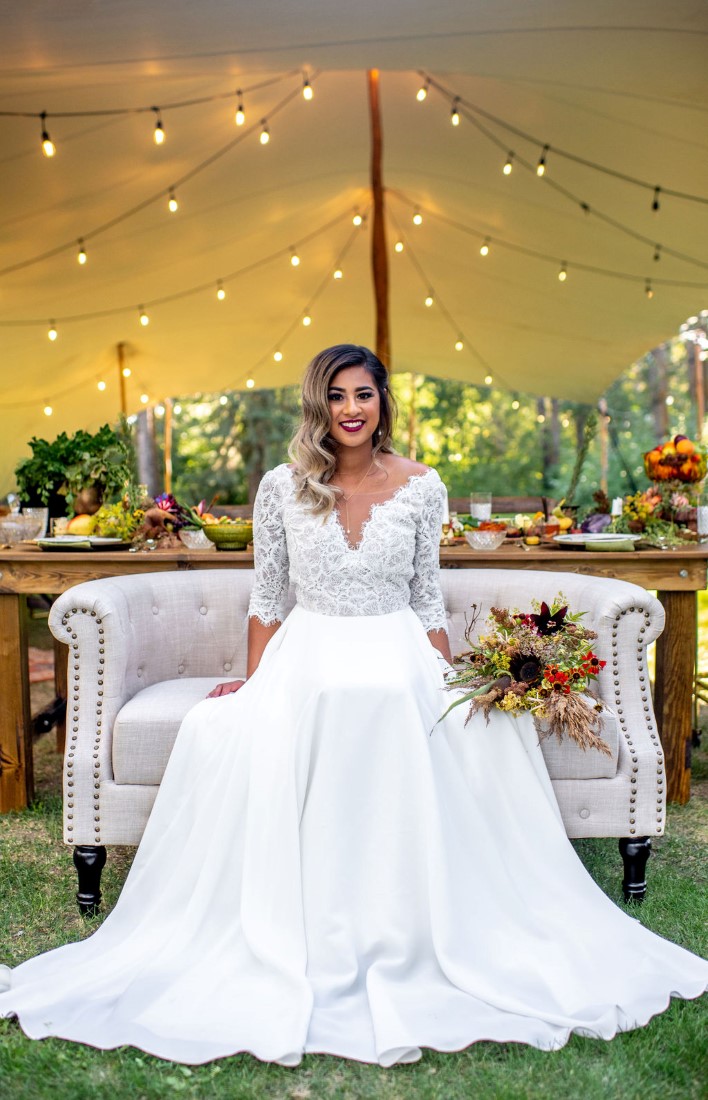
(146,727)
(566,760)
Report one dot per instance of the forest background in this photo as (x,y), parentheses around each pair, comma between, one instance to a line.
(476,437)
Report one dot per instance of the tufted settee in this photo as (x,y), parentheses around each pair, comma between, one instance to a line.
(144,649)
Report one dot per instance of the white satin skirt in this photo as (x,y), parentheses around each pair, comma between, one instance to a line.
(327,870)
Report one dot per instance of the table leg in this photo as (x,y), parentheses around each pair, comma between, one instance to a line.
(60,682)
(16,774)
(675,655)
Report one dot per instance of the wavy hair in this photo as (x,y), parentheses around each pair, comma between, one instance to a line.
(312,449)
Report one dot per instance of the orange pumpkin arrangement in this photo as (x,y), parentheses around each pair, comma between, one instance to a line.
(678,460)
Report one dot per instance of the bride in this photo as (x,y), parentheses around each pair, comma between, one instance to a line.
(321,872)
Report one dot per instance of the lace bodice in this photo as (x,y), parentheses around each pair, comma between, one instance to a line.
(394,565)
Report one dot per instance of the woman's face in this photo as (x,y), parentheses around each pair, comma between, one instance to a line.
(354,406)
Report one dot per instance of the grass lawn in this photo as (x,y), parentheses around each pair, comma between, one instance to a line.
(664,1060)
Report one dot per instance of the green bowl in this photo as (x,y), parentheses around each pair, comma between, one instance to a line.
(229,536)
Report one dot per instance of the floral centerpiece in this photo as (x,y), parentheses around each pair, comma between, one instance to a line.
(540,661)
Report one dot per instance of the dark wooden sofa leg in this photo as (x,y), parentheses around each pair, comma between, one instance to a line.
(635,852)
(89,862)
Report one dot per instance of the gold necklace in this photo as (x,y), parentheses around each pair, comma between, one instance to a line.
(346,498)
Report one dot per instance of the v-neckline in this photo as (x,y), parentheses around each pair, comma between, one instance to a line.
(372,512)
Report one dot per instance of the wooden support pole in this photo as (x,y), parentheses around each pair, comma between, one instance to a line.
(604,444)
(16,775)
(379,254)
(698,389)
(168,444)
(120,348)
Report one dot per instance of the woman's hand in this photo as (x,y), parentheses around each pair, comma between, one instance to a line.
(225,689)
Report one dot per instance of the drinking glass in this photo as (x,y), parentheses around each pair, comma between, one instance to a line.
(481,505)
(41,517)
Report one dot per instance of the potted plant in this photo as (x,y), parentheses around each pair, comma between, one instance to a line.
(75,473)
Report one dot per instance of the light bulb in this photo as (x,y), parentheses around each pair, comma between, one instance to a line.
(240,116)
(177,410)
(144,319)
(670,400)
(81,256)
(454,113)
(429,301)
(541,166)
(307,92)
(126,372)
(101,385)
(540,419)
(459,345)
(223,400)
(417,218)
(250,383)
(398,246)
(484,250)
(278,355)
(52,331)
(508,165)
(48,146)
(648,289)
(265,133)
(307,320)
(158,133)
(220,292)
(422,92)
(159,410)
(488,380)
(357,219)
(144,399)
(563,273)
(515,404)
(655,201)
(657,253)
(172,204)
(48,410)
(294,258)
(338,274)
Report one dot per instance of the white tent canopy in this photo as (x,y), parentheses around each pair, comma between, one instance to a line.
(619,84)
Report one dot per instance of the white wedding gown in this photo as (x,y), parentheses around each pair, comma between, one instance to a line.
(325,871)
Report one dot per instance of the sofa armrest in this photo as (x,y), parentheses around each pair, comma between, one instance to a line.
(124,634)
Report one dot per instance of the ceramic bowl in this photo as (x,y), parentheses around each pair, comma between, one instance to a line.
(229,536)
(485,540)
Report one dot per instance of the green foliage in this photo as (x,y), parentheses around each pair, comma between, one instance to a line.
(71,463)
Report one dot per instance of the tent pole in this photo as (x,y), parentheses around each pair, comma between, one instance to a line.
(379,255)
(120,348)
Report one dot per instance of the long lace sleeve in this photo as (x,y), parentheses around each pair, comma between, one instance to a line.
(269,593)
(426,596)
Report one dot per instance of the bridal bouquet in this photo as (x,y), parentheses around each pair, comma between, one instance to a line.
(541,661)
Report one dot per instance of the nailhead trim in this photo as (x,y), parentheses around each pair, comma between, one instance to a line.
(75,726)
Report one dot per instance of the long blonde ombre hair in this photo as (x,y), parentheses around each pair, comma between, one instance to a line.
(312,449)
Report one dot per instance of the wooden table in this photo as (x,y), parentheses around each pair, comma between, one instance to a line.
(677,575)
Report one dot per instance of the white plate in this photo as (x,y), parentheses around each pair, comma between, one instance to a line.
(582,538)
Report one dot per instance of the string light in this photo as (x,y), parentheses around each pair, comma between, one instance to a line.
(159,410)
(48,146)
(223,400)
(657,253)
(52,332)
(398,246)
(220,292)
(655,205)
(307,320)
(126,372)
(454,112)
(541,166)
(459,345)
(509,164)
(159,132)
(265,133)
(278,356)
(81,256)
(307,90)
(250,383)
(429,300)
(144,399)
(515,404)
(422,93)
(101,385)
(172,204)
(144,319)
(177,410)
(357,219)
(648,289)
(338,273)
(294,258)
(417,217)
(488,380)
(563,273)
(240,116)
(48,410)
(484,249)
(540,419)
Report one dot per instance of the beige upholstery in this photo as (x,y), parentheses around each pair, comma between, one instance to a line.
(144,649)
